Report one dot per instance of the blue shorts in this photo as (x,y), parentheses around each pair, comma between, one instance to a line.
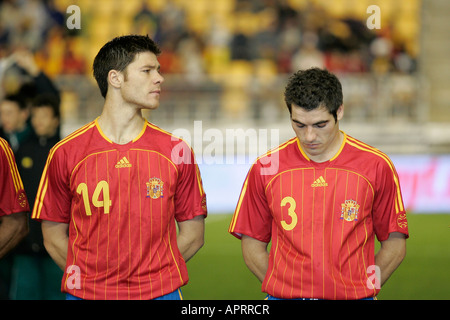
(176,295)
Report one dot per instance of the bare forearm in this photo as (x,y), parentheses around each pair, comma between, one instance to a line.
(56,241)
(258,265)
(188,246)
(190,237)
(390,255)
(58,252)
(255,256)
(13,229)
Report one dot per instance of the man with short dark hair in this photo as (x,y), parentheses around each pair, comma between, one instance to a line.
(331,196)
(14,114)
(111,195)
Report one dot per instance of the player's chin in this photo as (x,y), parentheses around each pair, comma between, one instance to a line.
(150,106)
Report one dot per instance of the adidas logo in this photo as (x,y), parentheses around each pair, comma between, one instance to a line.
(123,163)
(319,183)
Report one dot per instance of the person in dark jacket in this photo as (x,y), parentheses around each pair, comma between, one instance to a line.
(34,274)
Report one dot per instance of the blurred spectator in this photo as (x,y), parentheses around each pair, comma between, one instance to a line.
(146,22)
(265,41)
(35,78)
(25,22)
(308,54)
(32,155)
(171,23)
(170,61)
(381,49)
(240,47)
(20,74)
(72,63)
(57,19)
(344,42)
(28,82)
(50,57)
(34,274)
(189,50)
(14,115)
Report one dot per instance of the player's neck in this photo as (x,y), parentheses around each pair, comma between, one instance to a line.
(331,151)
(121,126)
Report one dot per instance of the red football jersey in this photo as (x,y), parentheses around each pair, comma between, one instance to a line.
(322,219)
(12,193)
(121,203)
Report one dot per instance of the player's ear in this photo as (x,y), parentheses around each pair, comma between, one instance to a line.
(115,78)
(340,113)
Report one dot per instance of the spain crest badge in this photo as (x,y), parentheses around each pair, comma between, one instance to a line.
(155,187)
(350,209)
(22,198)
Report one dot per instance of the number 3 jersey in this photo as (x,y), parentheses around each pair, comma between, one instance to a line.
(121,203)
(322,218)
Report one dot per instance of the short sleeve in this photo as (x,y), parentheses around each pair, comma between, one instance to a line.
(389,214)
(252,216)
(190,198)
(12,194)
(53,199)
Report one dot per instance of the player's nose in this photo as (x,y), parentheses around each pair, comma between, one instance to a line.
(159,78)
(310,135)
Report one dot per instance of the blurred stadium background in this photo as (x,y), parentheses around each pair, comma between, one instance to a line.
(226,62)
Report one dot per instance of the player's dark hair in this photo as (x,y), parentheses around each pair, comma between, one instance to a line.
(47,100)
(117,54)
(313,88)
(18,99)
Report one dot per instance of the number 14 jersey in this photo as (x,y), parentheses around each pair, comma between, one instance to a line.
(121,203)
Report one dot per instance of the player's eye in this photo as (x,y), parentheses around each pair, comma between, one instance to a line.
(321,125)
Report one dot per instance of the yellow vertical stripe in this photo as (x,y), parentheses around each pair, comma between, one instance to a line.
(323,232)
(238,207)
(17,181)
(292,240)
(129,221)
(138,162)
(302,236)
(312,235)
(160,227)
(107,237)
(342,236)
(357,144)
(170,245)
(151,229)
(332,228)
(82,228)
(119,188)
